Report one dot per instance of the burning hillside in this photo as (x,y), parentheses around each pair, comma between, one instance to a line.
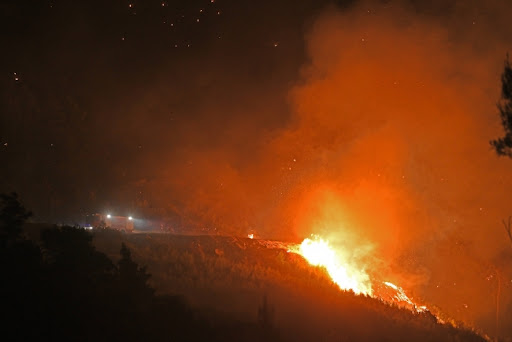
(346,274)
(350,276)
(232,274)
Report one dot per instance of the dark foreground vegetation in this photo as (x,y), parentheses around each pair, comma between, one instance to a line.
(62,288)
(59,286)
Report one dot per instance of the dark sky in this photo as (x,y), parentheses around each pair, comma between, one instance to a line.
(98,93)
(365,121)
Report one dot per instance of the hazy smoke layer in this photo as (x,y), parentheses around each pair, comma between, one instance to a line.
(386,152)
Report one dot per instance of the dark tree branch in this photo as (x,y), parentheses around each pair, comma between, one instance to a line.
(503,145)
(508,228)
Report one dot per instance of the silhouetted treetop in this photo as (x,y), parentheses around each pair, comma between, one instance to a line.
(503,145)
(134,279)
(70,249)
(12,216)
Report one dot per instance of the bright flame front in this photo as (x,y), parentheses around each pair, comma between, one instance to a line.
(344,273)
(347,274)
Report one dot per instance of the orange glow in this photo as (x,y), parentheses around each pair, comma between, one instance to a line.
(349,275)
(400,296)
(346,275)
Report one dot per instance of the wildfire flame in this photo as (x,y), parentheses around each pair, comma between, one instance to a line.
(345,274)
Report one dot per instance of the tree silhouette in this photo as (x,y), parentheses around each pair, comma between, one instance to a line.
(19,256)
(503,145)
(70,250)
(12,216)
(134,279)
(21,265)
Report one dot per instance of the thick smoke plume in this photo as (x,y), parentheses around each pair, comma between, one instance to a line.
(386,152)
(391,128)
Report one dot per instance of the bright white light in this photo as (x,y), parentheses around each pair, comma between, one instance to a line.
(130,218)
(108,216)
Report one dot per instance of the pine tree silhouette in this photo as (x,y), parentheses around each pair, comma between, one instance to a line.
(503,145)
(12,216)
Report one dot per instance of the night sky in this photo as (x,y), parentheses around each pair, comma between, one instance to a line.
(95,93)
(366,121)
